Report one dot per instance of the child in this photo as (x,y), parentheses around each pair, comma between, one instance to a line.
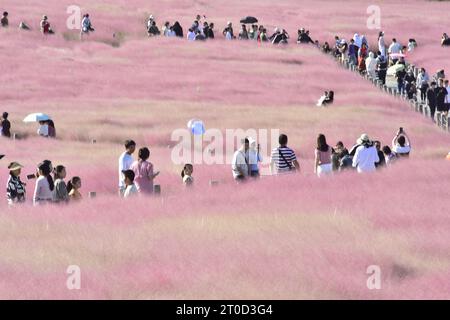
(73,189)
(130,187)
(186,175)
(254,157)
(60,193)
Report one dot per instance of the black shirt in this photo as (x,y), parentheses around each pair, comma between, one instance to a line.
(441,92)
(6,127)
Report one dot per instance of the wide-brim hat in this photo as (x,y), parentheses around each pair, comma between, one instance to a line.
(364,138)
(13,166)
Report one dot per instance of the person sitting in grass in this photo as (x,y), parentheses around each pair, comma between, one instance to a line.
(445,40)
(327,98)
(86,25)
(130,187)
(186,175)
(152,29)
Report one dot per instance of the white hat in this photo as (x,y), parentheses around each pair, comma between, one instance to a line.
(228,23)
(13,166)
(251,140)
(364,138)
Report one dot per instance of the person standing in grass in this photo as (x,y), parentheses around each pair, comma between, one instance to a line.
(143,171)
(60,194)
(43,192)
(125,162)
(73,188)
(4,20)
(15,188)
(5,126)
(431,98)
(441,96)
(130,187)
(382,161)
(322,154)
(366,155)
(283,158)
(240,163)
(254,158)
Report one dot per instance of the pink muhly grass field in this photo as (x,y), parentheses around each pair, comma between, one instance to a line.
(290,237)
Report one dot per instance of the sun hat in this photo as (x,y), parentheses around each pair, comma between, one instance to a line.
(13,166)
(364,138)
(251,140)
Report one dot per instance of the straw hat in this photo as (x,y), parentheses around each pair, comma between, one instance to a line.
(364,138)
(13,166)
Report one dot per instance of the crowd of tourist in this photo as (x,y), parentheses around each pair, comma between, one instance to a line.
(137,176)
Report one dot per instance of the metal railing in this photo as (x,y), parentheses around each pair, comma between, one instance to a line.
(422,107)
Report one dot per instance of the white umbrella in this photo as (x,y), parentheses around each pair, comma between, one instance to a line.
(36,117)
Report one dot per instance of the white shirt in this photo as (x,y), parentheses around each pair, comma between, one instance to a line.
(191,36)
(381,44)
(401,150)
(43,130)
(239,162)
(130,191)
(365,158)
(358,40)
(253,158)
(125,162)
(42,191)
(395,47)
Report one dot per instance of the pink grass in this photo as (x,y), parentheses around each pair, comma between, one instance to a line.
(296,237)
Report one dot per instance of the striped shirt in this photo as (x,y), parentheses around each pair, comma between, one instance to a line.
(283,163)
(15,190)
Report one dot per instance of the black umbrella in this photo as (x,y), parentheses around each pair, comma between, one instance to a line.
(248,20)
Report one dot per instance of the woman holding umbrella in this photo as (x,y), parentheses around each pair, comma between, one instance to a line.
(43,121)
